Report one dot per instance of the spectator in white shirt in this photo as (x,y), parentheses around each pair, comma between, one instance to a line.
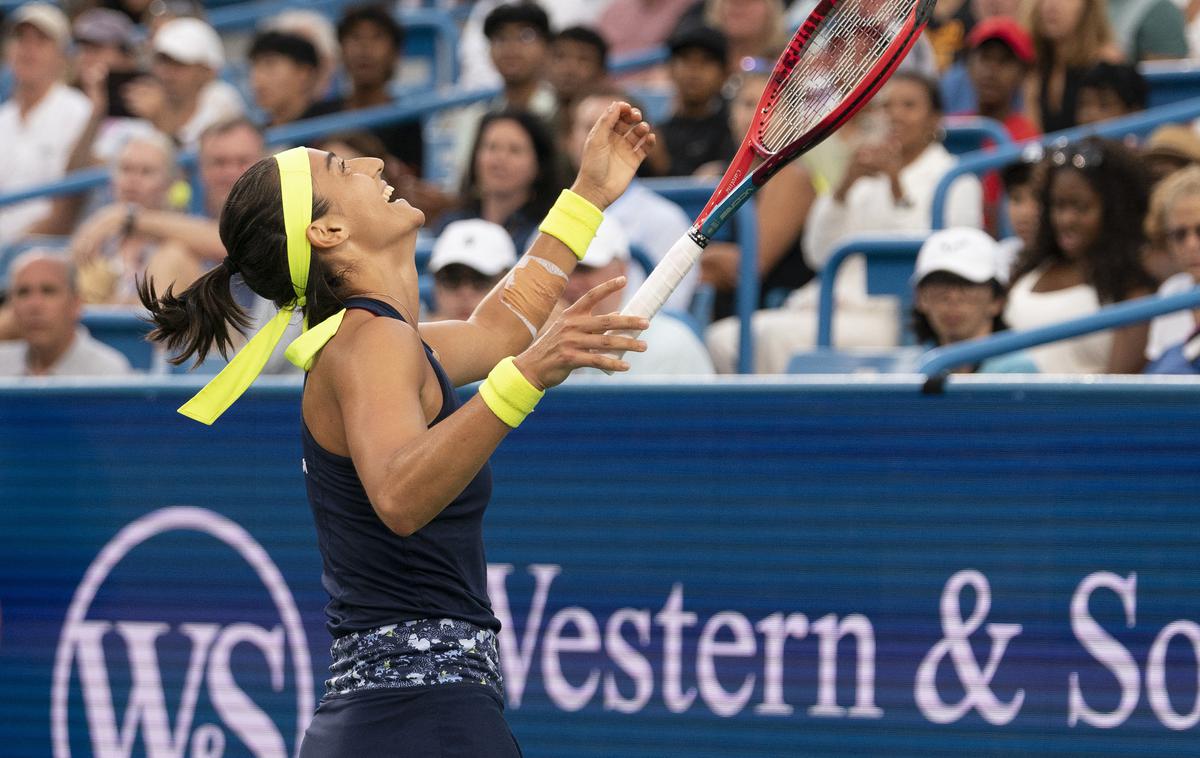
(887,188)
(42,120)
(184,95)
(1173,223)
(46,308)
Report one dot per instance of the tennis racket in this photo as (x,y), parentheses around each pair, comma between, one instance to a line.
(839,57)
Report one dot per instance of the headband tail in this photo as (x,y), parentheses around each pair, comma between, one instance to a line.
(226,387)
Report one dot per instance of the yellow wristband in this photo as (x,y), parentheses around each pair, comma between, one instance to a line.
(509,394)
(573,221)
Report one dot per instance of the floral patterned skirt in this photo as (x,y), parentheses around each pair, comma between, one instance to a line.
(417,653)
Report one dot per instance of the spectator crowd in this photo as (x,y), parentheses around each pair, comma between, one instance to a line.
(174,111)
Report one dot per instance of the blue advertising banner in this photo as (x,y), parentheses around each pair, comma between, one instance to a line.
(712,570)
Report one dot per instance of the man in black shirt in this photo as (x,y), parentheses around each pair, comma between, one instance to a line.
(698,130)
(372,42)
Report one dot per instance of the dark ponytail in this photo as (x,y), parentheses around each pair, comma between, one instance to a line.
(195,321)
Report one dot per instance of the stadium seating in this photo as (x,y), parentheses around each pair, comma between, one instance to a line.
(889,265)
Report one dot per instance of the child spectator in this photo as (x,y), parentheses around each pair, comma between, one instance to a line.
(469,258)
(283,75)
(698,130)
(1110,90)
(959,284)
(1000,55)
(1087,254)
(46,308)
(1022,187)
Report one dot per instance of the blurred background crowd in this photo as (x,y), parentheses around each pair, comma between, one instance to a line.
(153,108)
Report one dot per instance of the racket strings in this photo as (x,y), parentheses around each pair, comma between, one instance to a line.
(843,49)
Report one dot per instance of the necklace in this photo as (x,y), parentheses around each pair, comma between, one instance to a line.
(403,310)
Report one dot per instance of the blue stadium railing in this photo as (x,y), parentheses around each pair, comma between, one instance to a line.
(1003,155)
(889,266)
(938,362)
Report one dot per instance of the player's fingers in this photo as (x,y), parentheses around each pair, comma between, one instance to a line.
(610,343)
(601,361)
(610,322)
(596,294)
(608,120)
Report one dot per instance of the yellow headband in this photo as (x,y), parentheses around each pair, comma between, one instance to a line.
(295,184)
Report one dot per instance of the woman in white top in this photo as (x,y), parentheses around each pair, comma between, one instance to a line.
(888,187)
(1173,224)
(1087,255)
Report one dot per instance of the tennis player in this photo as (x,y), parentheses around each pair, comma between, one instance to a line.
(396,470)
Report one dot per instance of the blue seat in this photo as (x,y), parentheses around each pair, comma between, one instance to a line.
(1170,81)
(124,329)
(965,134)
(889,267)
(210,366)
(830,361)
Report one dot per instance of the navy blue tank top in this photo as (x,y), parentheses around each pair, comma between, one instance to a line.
(376,577)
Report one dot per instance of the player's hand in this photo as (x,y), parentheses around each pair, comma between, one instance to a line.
(578,338)
(614,149)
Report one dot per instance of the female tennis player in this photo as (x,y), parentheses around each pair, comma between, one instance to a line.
(397,472)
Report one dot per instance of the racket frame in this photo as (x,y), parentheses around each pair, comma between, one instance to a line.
(740,181)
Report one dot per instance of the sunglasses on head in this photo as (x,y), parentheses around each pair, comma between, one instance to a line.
(1080,155)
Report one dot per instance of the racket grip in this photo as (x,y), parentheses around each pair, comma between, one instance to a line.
(666,276)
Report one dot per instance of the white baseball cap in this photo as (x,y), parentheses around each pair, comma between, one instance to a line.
(969,253)
(190,40)
(609,244)
(45,18)
(476,244)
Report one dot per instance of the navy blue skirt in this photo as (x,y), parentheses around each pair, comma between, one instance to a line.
(463,720)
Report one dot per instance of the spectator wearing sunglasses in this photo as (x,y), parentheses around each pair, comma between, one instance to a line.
(1173,224)
(1087,255)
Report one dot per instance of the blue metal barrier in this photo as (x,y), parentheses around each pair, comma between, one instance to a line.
(976,163)
(294,133)
(965,134)
(941,360)
(889,266)
(1171,81)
